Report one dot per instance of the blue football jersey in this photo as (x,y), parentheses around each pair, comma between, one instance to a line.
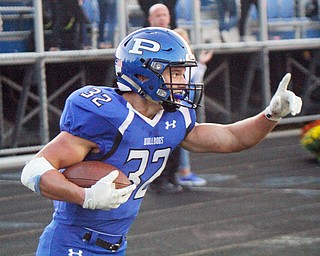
(135,144)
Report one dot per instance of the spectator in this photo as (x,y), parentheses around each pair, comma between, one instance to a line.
(312,9)
(228,20)
(159,16)
(1,23)
(91,10)
(185,176)
(66,16)
(108,18)
(171,5)
(244,12)
(178,169)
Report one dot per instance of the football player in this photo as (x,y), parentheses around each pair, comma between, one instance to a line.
(134,127)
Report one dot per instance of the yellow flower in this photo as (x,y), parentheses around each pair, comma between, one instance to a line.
(311,139)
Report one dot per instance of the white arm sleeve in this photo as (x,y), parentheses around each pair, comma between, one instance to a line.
(32,172)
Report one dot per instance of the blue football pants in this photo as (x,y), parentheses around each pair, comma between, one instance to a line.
(66,240)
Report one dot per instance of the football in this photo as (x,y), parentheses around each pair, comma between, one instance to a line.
(87,173)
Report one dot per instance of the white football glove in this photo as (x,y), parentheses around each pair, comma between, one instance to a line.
(103,195)
(283,102)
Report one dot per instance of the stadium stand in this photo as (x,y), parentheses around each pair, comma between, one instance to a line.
(208,26)
(26,76)
(17,17)
(285,20)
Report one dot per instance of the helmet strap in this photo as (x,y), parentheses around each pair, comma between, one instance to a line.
(134,84)
(167,106)
(138,88)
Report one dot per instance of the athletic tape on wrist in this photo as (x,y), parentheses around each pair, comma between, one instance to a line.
(32,172)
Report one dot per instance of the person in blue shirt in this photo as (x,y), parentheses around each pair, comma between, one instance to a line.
(108,18)
(66,19)
(244,14)
(134,127)
(228,19)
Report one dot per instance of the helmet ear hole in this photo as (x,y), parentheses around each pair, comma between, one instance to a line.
(141,77)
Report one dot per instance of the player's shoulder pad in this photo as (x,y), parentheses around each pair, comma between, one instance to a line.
(93,98)
(97,102)
(98,106)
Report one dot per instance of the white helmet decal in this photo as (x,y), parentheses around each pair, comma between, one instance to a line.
(141,43)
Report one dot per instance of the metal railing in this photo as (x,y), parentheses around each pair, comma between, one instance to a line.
(40,58)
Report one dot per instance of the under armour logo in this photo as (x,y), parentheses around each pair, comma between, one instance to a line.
(144,44)
(71,252)
(172,125)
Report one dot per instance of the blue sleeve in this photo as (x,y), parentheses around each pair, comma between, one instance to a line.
(83,119)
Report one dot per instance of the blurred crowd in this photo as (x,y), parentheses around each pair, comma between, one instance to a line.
(85,24)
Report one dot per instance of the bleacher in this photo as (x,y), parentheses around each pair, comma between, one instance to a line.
(208,20)
(286,20)
(17,19)
(31,67)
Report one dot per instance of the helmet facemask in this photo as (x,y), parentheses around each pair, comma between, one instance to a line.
(173,94)
(184,94)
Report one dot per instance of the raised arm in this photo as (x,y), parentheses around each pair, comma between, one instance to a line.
(248,132)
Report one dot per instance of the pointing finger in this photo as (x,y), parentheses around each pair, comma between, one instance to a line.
(283,85)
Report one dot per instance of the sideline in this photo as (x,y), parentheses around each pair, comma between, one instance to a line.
(284,133)
(14,162)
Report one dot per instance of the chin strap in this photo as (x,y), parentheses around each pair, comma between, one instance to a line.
(134,84)
(139,90)
(167,106)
